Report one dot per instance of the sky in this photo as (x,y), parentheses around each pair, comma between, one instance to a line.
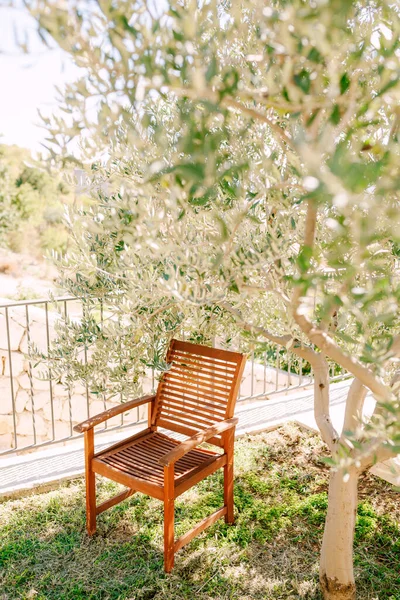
(27,81)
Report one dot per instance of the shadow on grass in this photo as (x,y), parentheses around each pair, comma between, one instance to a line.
(270,553)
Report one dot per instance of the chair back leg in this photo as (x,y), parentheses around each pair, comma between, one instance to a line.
(229,438)
(169,517)
(90,483)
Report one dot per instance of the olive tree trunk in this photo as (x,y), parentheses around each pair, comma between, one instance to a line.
(336,564)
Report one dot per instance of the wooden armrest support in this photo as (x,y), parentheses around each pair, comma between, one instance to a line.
(196,440)
(112,412)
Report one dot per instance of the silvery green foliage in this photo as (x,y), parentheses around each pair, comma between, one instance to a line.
(206,129)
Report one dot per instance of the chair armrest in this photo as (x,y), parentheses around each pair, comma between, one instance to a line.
(112,412)
(196,440)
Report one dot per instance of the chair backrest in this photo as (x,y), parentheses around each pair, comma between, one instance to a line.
(199,390)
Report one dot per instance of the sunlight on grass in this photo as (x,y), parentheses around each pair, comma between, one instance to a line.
(270,553)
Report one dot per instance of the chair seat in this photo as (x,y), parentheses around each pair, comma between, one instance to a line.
(138,458)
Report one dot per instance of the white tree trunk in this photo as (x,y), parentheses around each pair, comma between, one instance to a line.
(336,566)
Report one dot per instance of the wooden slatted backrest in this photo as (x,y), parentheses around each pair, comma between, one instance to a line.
(199,390)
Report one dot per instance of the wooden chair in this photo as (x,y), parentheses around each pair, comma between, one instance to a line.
(196,397)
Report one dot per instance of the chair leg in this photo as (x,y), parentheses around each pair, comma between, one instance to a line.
(169,516)
(90,483)
(228,477)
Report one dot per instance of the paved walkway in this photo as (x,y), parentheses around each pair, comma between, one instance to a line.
(45,468)
(297,406)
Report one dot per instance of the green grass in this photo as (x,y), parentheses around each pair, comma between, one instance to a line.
(271,553)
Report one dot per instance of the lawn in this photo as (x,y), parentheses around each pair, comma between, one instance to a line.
(271,553)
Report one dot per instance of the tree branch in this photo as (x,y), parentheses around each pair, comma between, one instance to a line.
(321,394)
(282,340)
(321,338)
(309,236)
(212,96)
(327,345)
(354,404)
(311,224)
(395,347)
(379,410)
(283,138)
(321,374)
(374,453)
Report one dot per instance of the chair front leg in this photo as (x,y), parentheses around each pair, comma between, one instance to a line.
(169,517)
(90,483)
(229,438)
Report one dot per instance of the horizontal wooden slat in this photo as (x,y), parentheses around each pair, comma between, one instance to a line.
(207,522)
(180,387)
(113,501)
(156,491)
(187,416)
(178,428)
(194,394)
(183,382)
(168,443)
(202,379)
(216,353)
(189,423)
(222,388)
(122,443)
(183,386)
(136,470)
(189,459)
(201,374)
(190,480)
(202,407)
(141,456)
(195,404)
(198,390)
(151,457)
(187,405)
(141,459)
(187,446)
(220,370)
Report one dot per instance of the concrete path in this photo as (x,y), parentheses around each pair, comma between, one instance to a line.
(45,468)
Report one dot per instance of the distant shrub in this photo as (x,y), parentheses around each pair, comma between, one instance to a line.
(54,237)
(31,205)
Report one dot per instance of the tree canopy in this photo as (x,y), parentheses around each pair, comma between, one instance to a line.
(216,127)
(244,164)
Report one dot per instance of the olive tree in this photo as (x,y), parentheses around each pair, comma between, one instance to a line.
(243,163)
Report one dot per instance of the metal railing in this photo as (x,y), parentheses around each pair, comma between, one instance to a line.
(35,413)
(14,349)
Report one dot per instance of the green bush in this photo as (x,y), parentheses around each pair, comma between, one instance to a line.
(32,204)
